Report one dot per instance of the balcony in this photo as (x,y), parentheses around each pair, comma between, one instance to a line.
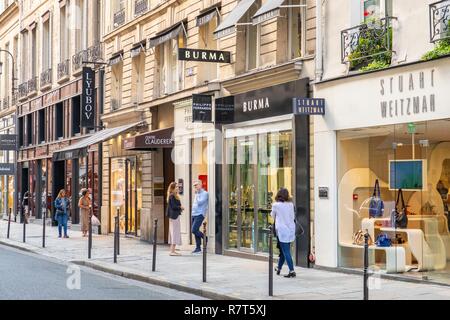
(119,18)
(63,71)
(140,7)
(367,44)
(46,79)
(5,104)
(77,61)
(95,52)
(14,99)
(23,90)
(115,105)
(32,86)
(439,20)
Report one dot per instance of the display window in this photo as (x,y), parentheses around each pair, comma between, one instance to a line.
(407,212)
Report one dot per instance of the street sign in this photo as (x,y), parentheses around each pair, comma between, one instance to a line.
(8,142)
(7,169)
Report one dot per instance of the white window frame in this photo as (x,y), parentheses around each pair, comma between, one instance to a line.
(258,47)
(303,29)
(383,9)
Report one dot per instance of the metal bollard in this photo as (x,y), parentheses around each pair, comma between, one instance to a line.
(204,251)
(43,228)
(116,231)
(24,221)
(90,233)
(366,265)
(271,260)
(9,223)
(155,229)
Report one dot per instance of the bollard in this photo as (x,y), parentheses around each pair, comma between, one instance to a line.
(155,229)
(204,251)
(90,233)
(9,223)
(116,231)
(24,221)
(271,260)
(366,265)
(43,228)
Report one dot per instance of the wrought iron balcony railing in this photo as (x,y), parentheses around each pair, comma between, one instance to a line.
(15,96)
(119,18)
(63,69)
(32,85)
(95,52)
(77,60)
(46,78)
(23,90)
(366,40)
(439,20)
(5,103)
(140,7)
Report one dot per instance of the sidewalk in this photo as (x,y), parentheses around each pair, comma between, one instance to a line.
(228,277)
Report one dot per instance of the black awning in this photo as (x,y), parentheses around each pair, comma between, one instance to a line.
(207,15)
(228,26)
(138,48)
(156,139)
(167,34)
(116,58)
(269,10)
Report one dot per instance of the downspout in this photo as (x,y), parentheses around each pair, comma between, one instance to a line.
(319,41)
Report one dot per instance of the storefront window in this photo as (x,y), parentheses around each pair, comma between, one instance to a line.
(415,159)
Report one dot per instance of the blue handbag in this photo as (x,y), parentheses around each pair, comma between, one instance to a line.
(376,205)
(383,240)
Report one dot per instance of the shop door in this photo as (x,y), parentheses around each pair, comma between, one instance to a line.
(132,212)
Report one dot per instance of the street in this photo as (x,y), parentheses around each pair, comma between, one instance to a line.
(24,276)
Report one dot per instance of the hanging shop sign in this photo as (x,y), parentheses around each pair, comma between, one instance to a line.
(162,138)
(201,108)
(204,55)
(88,99)
(8,142)
(268,102)
(224,110)
(7,169)
(308,106)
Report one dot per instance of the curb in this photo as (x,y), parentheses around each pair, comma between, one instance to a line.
(16,246)
(143,278)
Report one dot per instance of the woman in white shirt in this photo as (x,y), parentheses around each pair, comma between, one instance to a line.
(284,217)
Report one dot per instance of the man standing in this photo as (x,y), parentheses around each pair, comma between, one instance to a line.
(199,209)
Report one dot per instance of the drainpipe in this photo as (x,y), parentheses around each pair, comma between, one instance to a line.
(319,41)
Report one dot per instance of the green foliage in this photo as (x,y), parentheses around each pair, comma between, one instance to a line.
(442,48)
(371,52)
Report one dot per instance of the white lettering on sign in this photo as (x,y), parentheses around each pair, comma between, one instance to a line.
(257,104)
(405,95)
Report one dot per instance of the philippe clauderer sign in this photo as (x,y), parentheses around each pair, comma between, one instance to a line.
(204,55)
(407,94)
(88,99)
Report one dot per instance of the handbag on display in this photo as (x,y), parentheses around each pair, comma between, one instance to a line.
(383,240)
(376,205)
(399,217)
(358,238)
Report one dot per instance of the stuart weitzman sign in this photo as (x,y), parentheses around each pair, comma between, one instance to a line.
(204,55)
(88,99)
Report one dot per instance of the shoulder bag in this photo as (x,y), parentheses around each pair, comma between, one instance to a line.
(376,205)
(399,217)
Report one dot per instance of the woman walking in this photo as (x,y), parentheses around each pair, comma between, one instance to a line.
(62,215)
(174,210)
(284,217)
(84,204)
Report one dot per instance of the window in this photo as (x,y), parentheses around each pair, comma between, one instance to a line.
(296,22)
(137,81)
(21,132)
(375,9)
(46,46)
(80,34)
(59,121)
(116,89)
(63,34)
(76,115)
(29,129)
(42,126)
(207,71)
(252,44)
(24,57)
(34,55)
(7,72)
(171,73)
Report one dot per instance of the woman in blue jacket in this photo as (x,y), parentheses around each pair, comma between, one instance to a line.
(62,215)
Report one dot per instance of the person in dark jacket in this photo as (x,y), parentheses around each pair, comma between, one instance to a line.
(174,209)
(62,212)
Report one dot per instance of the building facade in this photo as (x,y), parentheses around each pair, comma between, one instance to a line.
(386,121)
(150,82)
(56,38)
(9,38)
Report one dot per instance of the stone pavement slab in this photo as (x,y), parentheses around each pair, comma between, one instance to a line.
(227,277)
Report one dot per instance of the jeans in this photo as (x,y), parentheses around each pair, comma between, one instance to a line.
(285,255)
(62,223)
(196,224)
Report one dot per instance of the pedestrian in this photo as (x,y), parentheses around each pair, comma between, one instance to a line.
(85,205)
(283,215)
(199,209)
(62,216)
(174,209)
(25,206)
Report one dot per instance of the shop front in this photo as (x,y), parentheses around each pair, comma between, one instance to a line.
(395,131)
(266,147)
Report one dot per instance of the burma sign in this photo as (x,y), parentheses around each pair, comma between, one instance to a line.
(204,55)
(88,99)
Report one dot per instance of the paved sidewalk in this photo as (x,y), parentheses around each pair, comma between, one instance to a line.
(228,277)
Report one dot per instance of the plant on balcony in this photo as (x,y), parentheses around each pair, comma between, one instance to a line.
(442,48)
(371,52)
